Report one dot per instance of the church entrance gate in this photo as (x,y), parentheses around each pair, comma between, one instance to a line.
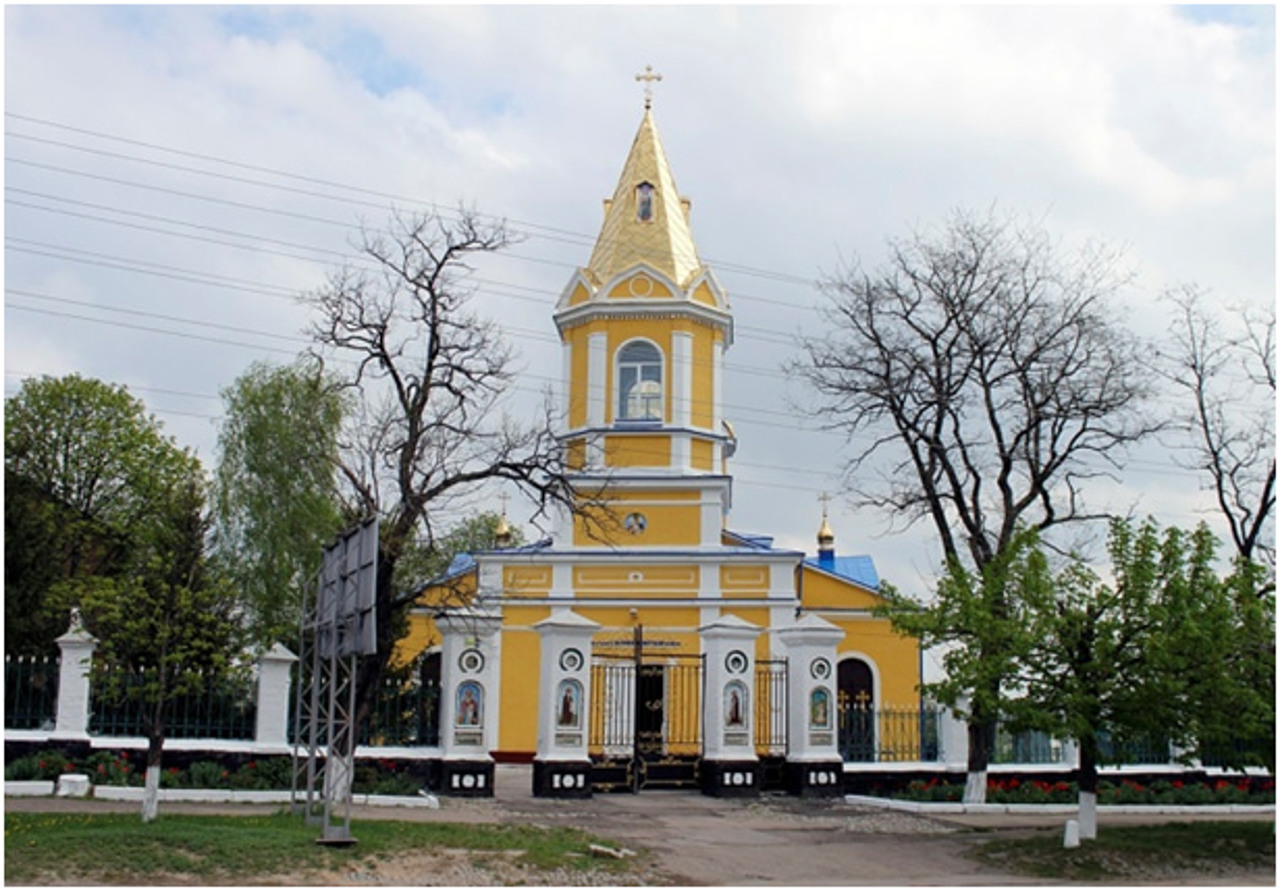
(646,721)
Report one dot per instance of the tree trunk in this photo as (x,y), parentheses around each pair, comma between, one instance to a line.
(151,793)
(1088,802)
(981,736)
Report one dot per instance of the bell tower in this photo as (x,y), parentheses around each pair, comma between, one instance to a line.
(644,327)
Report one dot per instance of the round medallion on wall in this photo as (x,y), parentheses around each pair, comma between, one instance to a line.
(571,660)
(471,661)
(736,662)
(640,286)
(820,669)
(635,523)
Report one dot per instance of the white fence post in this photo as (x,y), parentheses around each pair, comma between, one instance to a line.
(954,737)
(272,727)
(77,647)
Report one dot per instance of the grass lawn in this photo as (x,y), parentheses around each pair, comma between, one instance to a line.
(1139,853)
(121,849)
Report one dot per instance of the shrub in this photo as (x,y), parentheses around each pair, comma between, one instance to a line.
(208,775)
(111,769)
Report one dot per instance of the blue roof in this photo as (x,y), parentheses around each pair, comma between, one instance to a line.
(860,570)
(752,540)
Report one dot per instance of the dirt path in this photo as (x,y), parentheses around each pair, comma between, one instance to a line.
(697,840)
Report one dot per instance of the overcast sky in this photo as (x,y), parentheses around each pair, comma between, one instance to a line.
(173,175)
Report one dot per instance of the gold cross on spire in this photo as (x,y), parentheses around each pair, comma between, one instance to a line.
(648,77)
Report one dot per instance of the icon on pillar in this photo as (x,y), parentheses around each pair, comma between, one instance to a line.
(569,705)
(735,705)
(820,709)
(470,704)
(820,669)
(736,662)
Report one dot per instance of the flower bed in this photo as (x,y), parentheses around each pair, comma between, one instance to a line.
(1260,790)
(379,776)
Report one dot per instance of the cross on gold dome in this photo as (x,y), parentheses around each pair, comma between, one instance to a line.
(648,77)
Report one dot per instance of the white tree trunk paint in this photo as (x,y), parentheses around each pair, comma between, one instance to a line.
(975,787)
(1088,815)
(151,794)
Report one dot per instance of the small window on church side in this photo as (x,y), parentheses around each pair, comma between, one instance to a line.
(644,203)
(639,382)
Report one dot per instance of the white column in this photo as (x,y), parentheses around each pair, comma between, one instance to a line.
(469,675)
(813,754)
(274,702)
(562,767)
(77,647)
(953,733)
(681,378)
(729,644)
(566,382)
(717,386)
(597,378)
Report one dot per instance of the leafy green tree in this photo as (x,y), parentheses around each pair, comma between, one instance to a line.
(84,466)
(166,628)
(275,490)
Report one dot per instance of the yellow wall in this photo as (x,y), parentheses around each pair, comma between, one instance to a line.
(667,523)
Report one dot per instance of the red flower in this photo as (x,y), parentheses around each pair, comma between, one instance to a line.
(1177,784)
(1013,783)
(1220,785)
(252,765)
(174,770)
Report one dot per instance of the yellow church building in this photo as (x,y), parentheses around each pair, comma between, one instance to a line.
(666,648)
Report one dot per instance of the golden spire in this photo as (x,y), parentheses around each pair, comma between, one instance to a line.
(826,538)
(646,220)
(502,533)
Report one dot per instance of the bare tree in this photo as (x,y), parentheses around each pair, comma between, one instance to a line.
(430,375)
(1230,377)
(983,369)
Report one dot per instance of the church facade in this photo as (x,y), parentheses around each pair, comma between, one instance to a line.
(662,647)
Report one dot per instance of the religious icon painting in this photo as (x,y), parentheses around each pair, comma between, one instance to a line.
(470,705)
(644,203)
(735,705)
(820,709)
(569,705)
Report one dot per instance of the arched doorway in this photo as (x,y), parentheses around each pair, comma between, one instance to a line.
(857,704)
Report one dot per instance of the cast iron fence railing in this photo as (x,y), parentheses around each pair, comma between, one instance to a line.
(889,733)
(31,692)
(1026,747)
(406,714)
(771,707)
(225,708)
(1146,750)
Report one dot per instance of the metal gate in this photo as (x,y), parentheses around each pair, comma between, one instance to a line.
(646,721)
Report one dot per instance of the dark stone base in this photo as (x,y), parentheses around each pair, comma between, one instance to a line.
(731,779)
(561,779)
(466,779)
(815,779)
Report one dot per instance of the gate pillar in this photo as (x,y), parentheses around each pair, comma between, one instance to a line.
(469,661)
(562,766)
(814,765)
(729,763)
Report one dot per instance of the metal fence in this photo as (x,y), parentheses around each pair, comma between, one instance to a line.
(889,734)
(1026,747)
(406,714)
(220,709)
(771,707)
(30,692)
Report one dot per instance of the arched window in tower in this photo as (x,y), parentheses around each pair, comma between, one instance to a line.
(639,382)
(644,202)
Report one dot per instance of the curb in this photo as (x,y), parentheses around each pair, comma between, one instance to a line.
(45,788)
(956,807)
